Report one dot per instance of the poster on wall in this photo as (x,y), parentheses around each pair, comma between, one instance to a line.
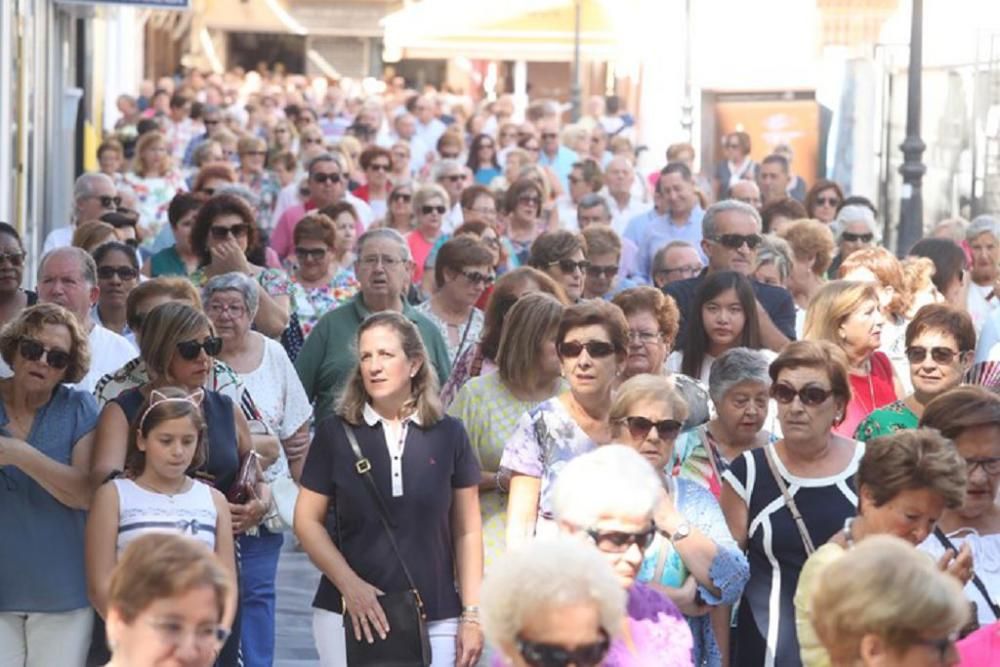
(770,123)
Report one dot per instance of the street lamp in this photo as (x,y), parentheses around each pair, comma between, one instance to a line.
(911,222)
(574,88)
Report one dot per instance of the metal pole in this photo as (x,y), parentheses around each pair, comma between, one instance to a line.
(911,223)
(574,89)
(687,106)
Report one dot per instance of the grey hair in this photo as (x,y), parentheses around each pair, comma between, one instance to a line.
(982,224)
(724,206)
(593,200)
(775,250)
(241,191)
(629,486)
(88,267)
(84,185)
(446,167)
(388,234)
(234,282)
(324,157)
(734,367)
(855,213)
(549,572)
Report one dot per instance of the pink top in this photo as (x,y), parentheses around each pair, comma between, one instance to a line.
(420,248)
(982,647)
(868,393)
(283,239)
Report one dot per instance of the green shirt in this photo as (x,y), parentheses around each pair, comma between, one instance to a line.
(328,356)
(886,421)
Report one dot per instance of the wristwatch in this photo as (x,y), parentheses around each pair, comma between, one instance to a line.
(683,530)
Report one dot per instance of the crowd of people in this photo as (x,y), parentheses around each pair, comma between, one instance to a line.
(478,366)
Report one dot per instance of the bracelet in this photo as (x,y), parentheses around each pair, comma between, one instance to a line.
(500,487)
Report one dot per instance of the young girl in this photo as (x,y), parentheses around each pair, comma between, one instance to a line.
(166,445)
(724,316)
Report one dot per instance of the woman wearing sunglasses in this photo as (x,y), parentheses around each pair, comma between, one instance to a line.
(592,343)
(522,204)
(399,214)
(47,441)
(430,204)
(811,469)
(823,200)
(693,559)
(940,343)
(13,298)
(855,228)
(117,276)
(462,271)
(562,255)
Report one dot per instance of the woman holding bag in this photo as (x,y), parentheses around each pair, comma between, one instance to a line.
(407,513)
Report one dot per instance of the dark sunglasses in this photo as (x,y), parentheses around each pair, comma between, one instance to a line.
(639,428)
(32,350)
(132,243)
(378,167)
(236,231)
(123,272)
(569,266)
(455,178)
(427,210)
(538,654)
(190,349)
(108,201)
(854,238)
(15,258)
(608,272)
(475,277)
(940,355)
(736,241)
(449,156)
(310,253)
(208,191)
(402,196)
(810,395)
(829,201)
(323,178)
(616,541)
(207,122)
(534,201)
(596,349)
(549,135)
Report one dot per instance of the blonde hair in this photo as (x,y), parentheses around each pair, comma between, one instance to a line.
(165,326)
(831,305)
(145,141)
(887,270)
(90,234)
(885,587)
(811,238)
(646,387)
(533,320)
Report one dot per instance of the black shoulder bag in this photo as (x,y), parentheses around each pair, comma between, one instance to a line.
(973,623)
(407,644)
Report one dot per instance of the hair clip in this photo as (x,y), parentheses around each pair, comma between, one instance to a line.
(157,397)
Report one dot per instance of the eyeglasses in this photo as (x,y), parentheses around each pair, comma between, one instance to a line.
(32,350)
(827,201)
(855,238)
(942,646)
(569,266)
(736,241)
(312,141)
(455,178)
(311,253)
(107,201)
(538,654)
(173,633)
(236,311)
(644,337)
(639,427)
(208,122)
(491,241)
(220,232)
(529,199)
(323,178)
(811,395)
(596,271)
(402,196)
(618,542)
(596,349)
(190,349)
(990,464)
(685,271)
(15,258)
(475,277)
(123,272)
(388,261)
(427,210)
(940,355)
(549,135)
(381,166)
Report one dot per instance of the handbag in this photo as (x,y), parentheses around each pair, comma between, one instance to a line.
(789,501)
(244,487)
(284,493)
(973,623)
(407,644)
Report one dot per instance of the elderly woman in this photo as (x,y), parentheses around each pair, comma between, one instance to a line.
(491,405)
(693,559)
(854,228)
(774,261)
(882,604)
(811,469)
(523,203)
(562,255)
(231,302)
(178,259)
(13,298)
(904,482)
(462,271)
(486,233)
(155,182)
(591,342)
(970,417)
(44,454)
(823,200)
(554,601)
(253,173)
(940,342)
(432,503)
(812,251)
(430,204)
(738,385)
(847,314)
(376,163)
(399,213)
(225,238)
(324,278)
(117,276)
(614,499)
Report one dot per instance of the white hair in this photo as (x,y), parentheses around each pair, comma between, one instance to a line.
(983,224)
(611,481)
(855,213)
(555,571)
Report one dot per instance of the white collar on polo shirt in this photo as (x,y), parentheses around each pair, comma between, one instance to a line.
(372,417)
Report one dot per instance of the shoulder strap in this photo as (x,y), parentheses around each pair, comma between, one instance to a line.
(789,501)
(976,581)
(363,467)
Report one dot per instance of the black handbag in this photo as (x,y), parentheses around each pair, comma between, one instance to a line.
(407,644)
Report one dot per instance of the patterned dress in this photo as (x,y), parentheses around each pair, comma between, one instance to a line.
(885,421)
(468,333)
(312,303)
(154,195)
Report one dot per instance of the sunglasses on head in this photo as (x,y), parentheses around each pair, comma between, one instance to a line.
(855,238)
(237,231)
(323,178)
(595,271)
(123,272)
(736,241)
(811,395)
(639,427)
(539,654)
(15,258)
(569,266)
(32,350)
(940,355)
(427,210)
(617,542)
(310,253)
(475,277)
(190,349)
(596,349)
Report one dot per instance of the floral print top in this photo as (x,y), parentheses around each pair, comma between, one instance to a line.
(153,195)
(266,187)
(312,303)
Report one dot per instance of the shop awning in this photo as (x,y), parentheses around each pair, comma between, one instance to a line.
(270,16)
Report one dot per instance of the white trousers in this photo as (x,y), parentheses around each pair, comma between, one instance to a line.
(44,639)
(328,632)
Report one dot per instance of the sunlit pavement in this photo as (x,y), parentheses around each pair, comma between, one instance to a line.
(296,585)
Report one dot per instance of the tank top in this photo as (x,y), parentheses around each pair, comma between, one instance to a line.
(141,512)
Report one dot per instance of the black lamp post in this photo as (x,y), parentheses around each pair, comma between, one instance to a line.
(574,88)
(911,222)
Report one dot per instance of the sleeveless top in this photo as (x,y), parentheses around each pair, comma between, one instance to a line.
(222,451)
(141,512)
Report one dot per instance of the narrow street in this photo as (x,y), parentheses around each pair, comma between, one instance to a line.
(296,584)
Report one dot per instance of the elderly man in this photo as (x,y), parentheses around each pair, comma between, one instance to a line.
(678,260)
(211,117)
(774,177)
(983,236)
(427,128)
(450,175)
(585,178)
(619,178)
(554,155)
(593,210)
(383,268)
(746,192)
(94,194)
(732,234)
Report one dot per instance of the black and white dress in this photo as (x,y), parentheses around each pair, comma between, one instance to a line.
(765,625)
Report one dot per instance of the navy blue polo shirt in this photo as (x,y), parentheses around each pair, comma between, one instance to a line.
(436,460)
(776,301)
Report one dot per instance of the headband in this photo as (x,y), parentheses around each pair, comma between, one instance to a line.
(157,397)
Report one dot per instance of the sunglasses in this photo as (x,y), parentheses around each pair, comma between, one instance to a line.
(596,349)
(123,272)
(107,201)
(940,355)
(534,201)
(736,241)
(310,253)
(618,542)
(15,258)
(538,654)
(449,156)
(378,167)
(323,178)
(32,350)
(455,178)
(595,271)
(639,427)
(942,646)
(475,277)
(549,135)
(402,196)
(427,210)
(827,201)
(236,231)
(569,266)
(190,349)
(810,395)
(211,122)
(312,141)
(854,238)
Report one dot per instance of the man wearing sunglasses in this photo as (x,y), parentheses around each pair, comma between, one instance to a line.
(94,194)
(553,154)
(211,117)
(732,235)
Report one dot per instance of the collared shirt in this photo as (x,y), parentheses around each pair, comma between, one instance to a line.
(95,316)
(395,441)
(652,231)
(622,216)
(561,164)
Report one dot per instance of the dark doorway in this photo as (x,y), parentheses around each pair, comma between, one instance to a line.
(247,49)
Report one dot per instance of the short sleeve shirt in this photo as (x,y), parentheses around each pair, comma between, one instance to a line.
(436,460)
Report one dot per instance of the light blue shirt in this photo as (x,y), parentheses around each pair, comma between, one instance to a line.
(561,164)
(651,231)
(988,337)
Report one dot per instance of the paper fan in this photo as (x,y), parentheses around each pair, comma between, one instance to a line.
(985,374)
